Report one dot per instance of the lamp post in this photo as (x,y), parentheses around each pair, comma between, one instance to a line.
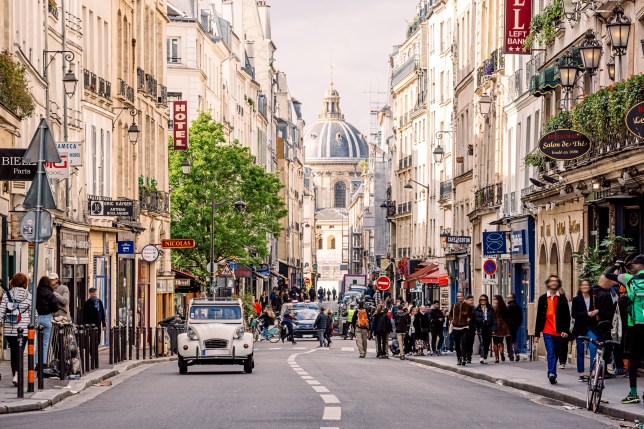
(591,52)
(568,69)
(610,66)
(485,105)
(133,130)
(69,79)
(619,30)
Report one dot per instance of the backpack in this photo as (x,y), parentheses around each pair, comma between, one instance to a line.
(636,289)
(363,320)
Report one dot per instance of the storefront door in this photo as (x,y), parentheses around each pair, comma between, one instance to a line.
(74,278)
(125,292)
(103,283)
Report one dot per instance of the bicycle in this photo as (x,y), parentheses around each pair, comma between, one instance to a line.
(258,332)
(596,379)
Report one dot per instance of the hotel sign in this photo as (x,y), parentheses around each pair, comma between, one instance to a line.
(180,125)
(635,120)
(565,145)
(518,14)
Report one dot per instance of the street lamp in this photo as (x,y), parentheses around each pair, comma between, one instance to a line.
(591,52)
(568,69)
(438,154)
(185,166)
(619,30)
(610,66)
(133,132)
(69,82)
(485,104)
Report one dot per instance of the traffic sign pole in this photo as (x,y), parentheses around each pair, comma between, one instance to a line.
(41,172)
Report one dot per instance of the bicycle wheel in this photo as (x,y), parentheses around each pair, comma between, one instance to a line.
(590,391)
(273,335)
(598,386)
(255,334)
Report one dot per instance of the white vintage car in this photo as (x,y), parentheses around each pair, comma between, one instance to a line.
(215,335)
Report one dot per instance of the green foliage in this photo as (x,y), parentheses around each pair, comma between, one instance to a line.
(601,115)
(536,158)
(543,25)
(224,173)
(14,92)
(593,261)
(247,305)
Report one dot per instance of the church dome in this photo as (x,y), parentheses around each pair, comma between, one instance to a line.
(331,138)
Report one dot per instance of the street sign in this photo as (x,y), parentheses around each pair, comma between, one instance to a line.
(28,226)
(493,243)
(40,184)
(315,267)
(49,152)
(226,271)
(103,206)
(233,265)
(212,267)
(565,145)
(150,253)
(307,280)
(125,248)
(489,267)
(73,150)
(383,283)
(178,243)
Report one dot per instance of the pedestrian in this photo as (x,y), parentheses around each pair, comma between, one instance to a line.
(382,329)
(321,322)
(402,321)
(436,320)
(484,324)
(515,320)
(61,292)
(94,310)
(633,281)
(273,299)
(267,318)
(258,307)
(370,291)
(287,323)
(623,302)
(360,323)
(418,331)
(585,316)
(460,316)
(15,312)
(553,321)
(471,331)
(606,304)
(320,295)
(46,306)
(328,333)
(334,293)
(328,295)
(264,301)
(502,330)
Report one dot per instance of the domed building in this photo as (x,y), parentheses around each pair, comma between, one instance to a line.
(333,150)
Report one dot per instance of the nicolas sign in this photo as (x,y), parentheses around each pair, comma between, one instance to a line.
(635,120)
(564,145)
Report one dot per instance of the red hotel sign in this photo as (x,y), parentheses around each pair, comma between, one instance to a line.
(180,118)
(518,14)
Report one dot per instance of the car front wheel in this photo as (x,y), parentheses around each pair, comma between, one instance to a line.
(249,365)
(183,366)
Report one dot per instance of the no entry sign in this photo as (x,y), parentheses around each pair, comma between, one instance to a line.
(383,283)
(489,267)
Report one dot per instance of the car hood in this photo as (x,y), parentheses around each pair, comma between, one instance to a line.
(206,331)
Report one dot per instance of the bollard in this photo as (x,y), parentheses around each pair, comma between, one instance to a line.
(163,350)
(171,335)
(21,369)
(87,349)
(30,357)
(143,339)
(111,343)
(136,339)
(155,341)
(117,345)
(80,335)
(130,340)
(41,366)
(61,351)
(95,344)
(123,343)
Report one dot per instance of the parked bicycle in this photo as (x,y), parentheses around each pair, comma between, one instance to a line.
(597,374)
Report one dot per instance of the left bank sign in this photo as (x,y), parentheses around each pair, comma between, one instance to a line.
(518,14)
(12,168)
(180,125)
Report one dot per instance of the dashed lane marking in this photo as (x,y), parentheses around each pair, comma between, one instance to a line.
(347,349)
(299,348)
(320,389)
(330,399)
(312,382)
(307,377)
(332,413)
(302,373)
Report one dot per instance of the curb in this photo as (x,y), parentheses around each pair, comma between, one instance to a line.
(46,398)
(541,391)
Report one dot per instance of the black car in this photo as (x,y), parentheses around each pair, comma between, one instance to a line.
(303,321)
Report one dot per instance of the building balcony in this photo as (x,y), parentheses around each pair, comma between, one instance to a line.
(492,65)
(162,97)
(404,208)
(126,92)
(154,200)
(490,196)
(404,70)
(404,163)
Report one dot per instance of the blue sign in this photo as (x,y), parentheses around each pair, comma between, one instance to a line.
(489,267)
(518,242)
(125,248)
(233,265)
(494,243)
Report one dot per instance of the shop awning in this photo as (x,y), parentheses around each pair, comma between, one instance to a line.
(435,279)
(186,282)
(410,280)
(546,81)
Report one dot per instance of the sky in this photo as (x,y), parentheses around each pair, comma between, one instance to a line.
(356,36)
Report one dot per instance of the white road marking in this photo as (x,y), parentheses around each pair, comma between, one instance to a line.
(299,348)
(312,382)
(330,399)
(302,373)
(320,389)
(371,350)
(307,377)
(347,349)
(274,348)
(329,427)
(332,413)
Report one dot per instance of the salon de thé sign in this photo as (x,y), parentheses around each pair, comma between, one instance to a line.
(565,145)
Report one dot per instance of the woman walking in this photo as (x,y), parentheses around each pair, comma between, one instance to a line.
(46,305)
(416,330)
(502,327)
(15,309)
(485,324)
(585,315)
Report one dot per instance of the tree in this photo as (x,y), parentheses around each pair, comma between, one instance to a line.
(223,172)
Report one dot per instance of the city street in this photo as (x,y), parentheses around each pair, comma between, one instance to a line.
(304,387)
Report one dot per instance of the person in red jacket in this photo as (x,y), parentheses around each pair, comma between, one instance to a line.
(258,307)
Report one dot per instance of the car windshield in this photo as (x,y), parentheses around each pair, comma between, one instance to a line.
(214,312)
(305,314)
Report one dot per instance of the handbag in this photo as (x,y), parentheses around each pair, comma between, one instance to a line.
(616,330)
(13,316)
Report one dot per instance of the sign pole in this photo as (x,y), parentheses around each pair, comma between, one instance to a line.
(43,177)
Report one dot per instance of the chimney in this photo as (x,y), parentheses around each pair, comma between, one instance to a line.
(265,17)
(227,11)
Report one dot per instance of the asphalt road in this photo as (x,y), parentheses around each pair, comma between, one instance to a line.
(301,387)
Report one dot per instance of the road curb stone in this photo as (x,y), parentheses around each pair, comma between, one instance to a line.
(606,409)
(46,398)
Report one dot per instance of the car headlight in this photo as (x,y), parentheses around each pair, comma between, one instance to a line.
(239,332)
(191,334)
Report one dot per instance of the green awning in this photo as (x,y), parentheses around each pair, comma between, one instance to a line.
(545,81)
(534,85)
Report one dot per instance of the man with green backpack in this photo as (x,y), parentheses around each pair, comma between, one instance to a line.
(634,336)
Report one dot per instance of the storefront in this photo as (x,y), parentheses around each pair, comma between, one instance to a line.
(125,297)
(522,258)
(186,287)
(73,248)
(165,298)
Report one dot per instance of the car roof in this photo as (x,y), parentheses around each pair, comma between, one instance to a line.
(218,301)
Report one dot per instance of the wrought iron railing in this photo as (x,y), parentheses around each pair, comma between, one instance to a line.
(154,200)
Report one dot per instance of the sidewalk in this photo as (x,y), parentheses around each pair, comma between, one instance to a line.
(531,377)
(56,390)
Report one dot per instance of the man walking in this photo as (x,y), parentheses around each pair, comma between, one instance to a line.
(93,310)
(553,320)
(61,292)
(320,324)
(360,322)
(287,322)
(335,294)
(460,315)
(515,313)
(402,321)
(436,319)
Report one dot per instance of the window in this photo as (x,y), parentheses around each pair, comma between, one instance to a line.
(319,240)
(172,46)
(330,242)
(340,195)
